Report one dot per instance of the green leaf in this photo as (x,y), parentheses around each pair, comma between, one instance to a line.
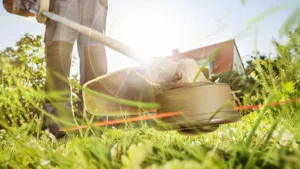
(289,87)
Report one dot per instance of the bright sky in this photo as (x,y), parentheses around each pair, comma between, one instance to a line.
(158,26)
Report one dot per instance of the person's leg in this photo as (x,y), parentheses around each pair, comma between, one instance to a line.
(93,62)
(59,41)
(58,62)
(94,54)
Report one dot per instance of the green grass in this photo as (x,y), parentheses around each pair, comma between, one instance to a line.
(147,148)
(264,138)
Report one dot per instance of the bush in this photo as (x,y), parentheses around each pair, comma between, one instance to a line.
(22,79)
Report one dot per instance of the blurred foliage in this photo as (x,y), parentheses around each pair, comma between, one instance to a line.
(21,70)
(279,74)
(22,82)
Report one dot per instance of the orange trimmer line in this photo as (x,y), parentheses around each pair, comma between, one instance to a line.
(169,115)
(122,121)
(272,104)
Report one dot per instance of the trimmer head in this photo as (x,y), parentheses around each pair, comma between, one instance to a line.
(205,106)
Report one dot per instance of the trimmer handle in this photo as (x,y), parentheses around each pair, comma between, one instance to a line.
(105,40)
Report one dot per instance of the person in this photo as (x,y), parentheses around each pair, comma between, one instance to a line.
(59,41)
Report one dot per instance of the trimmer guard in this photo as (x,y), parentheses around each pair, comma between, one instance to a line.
(129,84)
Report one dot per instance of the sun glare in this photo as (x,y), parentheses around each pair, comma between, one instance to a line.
(150,35)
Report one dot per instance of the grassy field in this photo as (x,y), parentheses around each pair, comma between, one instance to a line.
(228,147)
(268,137)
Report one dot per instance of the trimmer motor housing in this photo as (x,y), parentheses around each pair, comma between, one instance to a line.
(28,8)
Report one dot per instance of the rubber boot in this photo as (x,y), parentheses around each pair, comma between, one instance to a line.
(62,111)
